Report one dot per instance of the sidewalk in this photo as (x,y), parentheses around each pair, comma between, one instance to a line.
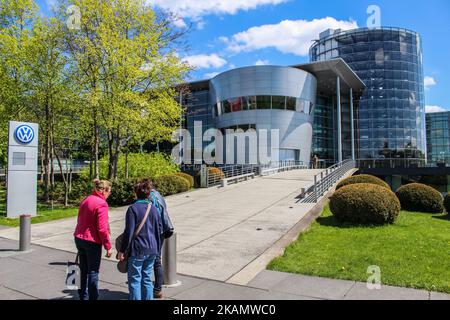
(40,274)
(220,231)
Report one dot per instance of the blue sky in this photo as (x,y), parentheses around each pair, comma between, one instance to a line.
(233,33)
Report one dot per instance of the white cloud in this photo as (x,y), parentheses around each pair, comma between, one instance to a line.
(211,75)
(432,109)
(261,62)
(288,36)
(179,23)
(198,8)
(429,81)
(51,4)
(203,61)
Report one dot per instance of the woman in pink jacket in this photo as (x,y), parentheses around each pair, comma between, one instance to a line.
(91,233)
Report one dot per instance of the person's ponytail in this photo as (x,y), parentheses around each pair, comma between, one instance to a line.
(101,185)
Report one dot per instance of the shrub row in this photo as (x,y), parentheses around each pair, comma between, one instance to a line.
(122,190)
(420,197)
(366,199)
(362,178)
(186,176)
(365,203)
(447,203)
(171,184)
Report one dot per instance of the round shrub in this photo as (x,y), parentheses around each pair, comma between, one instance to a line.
(81,188)
(215,173)
(122,193)
(186,176)
(171,184)
(447,202)
(362,178)
(420,197)
(365,203)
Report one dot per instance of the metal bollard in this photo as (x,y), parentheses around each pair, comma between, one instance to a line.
(25,233)
(169,262)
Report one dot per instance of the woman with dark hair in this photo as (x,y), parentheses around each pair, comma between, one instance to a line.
(141,248)
(91,233)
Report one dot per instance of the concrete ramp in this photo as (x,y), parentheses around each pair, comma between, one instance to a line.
(220,230)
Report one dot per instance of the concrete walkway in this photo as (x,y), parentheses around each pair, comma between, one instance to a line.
(220,230)
(40,274)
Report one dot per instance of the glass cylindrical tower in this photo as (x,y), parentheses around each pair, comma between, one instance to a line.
(391,111)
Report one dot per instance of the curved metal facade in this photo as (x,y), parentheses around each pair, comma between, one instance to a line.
(391,111)
(266,87)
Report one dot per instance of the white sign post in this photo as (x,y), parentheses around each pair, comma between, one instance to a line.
(22,169)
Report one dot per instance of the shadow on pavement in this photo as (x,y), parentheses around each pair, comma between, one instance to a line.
(105,294)
(58,263)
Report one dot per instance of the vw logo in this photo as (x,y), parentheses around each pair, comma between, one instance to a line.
(24,134)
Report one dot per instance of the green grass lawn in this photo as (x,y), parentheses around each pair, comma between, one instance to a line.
(413,252)
(45,212)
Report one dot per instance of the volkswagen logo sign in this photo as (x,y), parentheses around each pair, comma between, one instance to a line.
(24,134)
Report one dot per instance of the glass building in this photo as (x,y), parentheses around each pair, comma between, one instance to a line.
(267,98)
(438,137)
(391,112)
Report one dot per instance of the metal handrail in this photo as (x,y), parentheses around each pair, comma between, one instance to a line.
(324,180)
(230,171)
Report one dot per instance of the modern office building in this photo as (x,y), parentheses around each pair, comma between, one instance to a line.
(438,138)
(391,115)
(284,98)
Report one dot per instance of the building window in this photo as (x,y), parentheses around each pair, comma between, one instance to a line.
(278,102)
(290,103)
(226,106)
(235,104)
(263,102)
(249,103)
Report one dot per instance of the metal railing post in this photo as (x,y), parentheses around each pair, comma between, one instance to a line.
(25,233)
(169,261)
(315,188)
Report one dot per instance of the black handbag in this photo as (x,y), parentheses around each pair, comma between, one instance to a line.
(122,266)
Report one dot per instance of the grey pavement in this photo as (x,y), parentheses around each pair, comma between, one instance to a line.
(220,230)
(226,237)
(40,274)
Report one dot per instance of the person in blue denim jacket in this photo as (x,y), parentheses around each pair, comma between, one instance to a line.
(143,248)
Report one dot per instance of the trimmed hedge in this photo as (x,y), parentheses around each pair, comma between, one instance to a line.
(171,184)
(215,173)
(420,197)
(186,176)
(122,193)
(362,178)
(447,203)
(365,203)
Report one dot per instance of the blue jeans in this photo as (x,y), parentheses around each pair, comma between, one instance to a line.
(140,270)
(159,272)
(90,257)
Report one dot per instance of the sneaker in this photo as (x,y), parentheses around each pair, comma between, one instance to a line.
(157,294)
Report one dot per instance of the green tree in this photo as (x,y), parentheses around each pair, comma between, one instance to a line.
(16,20)
(50,92)
(124,56)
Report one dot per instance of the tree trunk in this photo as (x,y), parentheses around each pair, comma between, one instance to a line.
(46,160)
(111,155)
(91,162)
(70,179)
(126,165)
(42,171)
(64,176)
(96,150)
